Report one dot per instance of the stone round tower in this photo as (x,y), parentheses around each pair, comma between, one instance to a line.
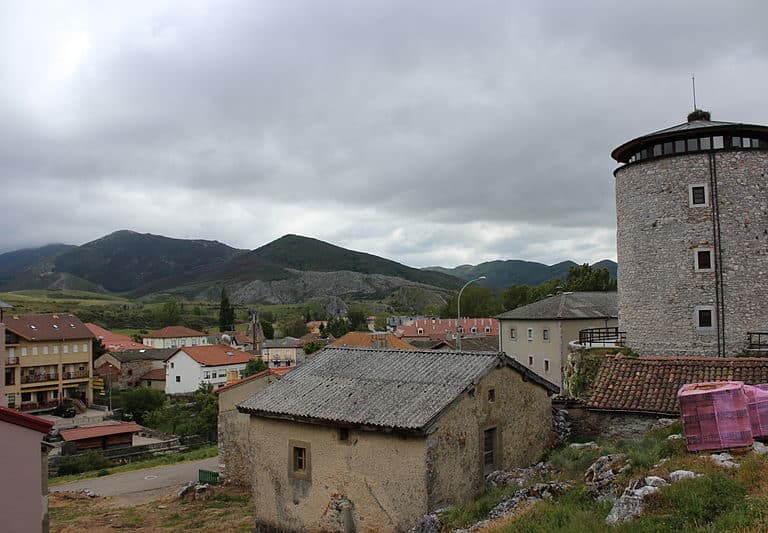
(692,232)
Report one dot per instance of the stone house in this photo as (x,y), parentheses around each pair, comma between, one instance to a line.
(538,334)
(630,394)
(360,439)
(127,368)
(234,448)
(24,464)
(175,337)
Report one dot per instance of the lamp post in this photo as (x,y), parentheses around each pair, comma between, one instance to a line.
(458,311)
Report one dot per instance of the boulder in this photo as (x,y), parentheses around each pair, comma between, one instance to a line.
(601,475)
(679,475)
(655,481)
(760,448)
(724,460)
(584,446)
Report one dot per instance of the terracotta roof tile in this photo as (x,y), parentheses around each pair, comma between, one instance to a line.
(439,328)
(99,431)
(215,355)
(172,332)
(156,374)
(650,384)
(362,339)
(278,372)
(115,342)
(17,418)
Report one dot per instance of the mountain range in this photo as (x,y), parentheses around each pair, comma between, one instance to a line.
(291,269)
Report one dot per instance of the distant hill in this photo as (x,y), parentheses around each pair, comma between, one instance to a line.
(11,263)
(502,274)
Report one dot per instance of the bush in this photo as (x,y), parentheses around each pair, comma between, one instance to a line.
(142,400)
(103,472)
(83,463)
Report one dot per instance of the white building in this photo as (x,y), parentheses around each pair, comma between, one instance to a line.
(175,337)
(191,366)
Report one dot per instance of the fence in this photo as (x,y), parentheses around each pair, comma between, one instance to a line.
(207,476)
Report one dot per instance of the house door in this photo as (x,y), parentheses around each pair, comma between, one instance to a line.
(489,450)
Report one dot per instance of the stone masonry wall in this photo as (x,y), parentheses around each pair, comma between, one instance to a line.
(657,233)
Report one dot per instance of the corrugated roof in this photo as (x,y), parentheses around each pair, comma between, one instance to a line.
(173,332)
(285,342)
(145,354)
(277,372)
(395,389)
(650,384)
(568,306)
(100,431)
(47,326)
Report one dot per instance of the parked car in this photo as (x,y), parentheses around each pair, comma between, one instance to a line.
(65,411)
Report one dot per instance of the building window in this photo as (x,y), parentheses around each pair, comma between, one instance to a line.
(11,352)
(207,375)
(55,349)
(85,348)
(171,364)
(75,348)
(489,450)
(26,396)
(703,260)
(420,331)
(23,350)
(545,334)
(704,318)
(178,379)
(513,333)
(344,434)
(487,329)
(530,334)
(491,395)
(65,348)
(34,350)
(473,329)
(698,195)
(300,465)
(530,360)
(546,365)
(45,350)
(299,459)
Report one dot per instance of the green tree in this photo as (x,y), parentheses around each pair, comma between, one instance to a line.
(380,324)
(358,321)
(254,366)
(516,296)
(476,302)
(169,313)
(226,312)
(98,348)
(312,347)
(142,400)
(294,326)
(267,328)
(198,416)
(585,278)
(336,327)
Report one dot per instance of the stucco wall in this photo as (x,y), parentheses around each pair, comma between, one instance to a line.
(376,479)
(657,232)
(522,415)
(234,444)
(21,504)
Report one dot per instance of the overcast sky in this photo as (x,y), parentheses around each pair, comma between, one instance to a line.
(429,132)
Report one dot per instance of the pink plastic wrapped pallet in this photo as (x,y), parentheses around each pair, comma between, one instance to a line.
(715,415)
(757,405)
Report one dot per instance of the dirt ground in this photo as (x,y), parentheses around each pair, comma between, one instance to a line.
(229,509)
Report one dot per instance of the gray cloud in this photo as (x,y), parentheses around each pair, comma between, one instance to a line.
(428,132)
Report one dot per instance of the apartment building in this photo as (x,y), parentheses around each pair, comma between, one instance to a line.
(47,360)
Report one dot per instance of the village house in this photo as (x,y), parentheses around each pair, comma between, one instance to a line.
(24,464)
(154,379)
(101,437)
(538,334)
(114,342)
(48,359)
(364,339)
(234,448)
(284,352)
(191,366)
(175,337)
(360,439)
(447,328)
(127,368)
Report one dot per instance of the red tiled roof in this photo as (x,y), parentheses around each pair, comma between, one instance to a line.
(650,384)
(99,431)
(156,374)
(47,326)
(215,355)
(17,418)
(438,328)
(115,342)
(362,339)
(173,332)
(278,372)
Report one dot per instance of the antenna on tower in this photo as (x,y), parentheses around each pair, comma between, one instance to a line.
(693,84)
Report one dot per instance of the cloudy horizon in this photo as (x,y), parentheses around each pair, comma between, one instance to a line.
(431,133)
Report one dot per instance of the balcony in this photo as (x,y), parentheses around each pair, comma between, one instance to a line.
(77,374)
(38,378)
(757,343)
(12,361)
(602,338)
(38,406)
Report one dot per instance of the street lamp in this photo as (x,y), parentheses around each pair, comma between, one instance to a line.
(458,311)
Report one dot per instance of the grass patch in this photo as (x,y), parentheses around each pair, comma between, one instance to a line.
(573,512)
(468,513)
(194,455)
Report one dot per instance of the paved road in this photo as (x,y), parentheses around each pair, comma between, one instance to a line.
(139,483)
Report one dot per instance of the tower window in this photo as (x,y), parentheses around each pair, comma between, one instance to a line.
(546,365)
(705,143)
(704,317)
(513,333)
(530,360)
(545,334)
(693,145)
(703,260)
(717,142)
(530,334)
(698,195)
(679,147)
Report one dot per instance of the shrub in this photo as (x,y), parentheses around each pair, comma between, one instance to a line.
(83,463)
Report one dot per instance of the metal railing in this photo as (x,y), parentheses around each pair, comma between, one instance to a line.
(38,378)
(602,336)
(75,375)
(757,340)
(31,406)
(12,360)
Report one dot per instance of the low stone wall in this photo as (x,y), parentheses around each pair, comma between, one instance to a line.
(592,424)
(123,455)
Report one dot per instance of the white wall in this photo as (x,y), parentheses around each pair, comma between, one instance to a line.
(192,374)
(175,342)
